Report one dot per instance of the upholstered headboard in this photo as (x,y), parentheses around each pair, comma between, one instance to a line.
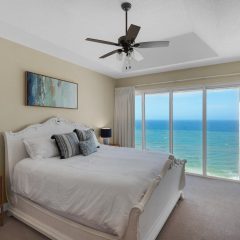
(15,149)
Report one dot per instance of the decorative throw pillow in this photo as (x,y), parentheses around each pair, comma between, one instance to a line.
(87,147)
(86,134)
(41,147)
(68,144)
(83,134)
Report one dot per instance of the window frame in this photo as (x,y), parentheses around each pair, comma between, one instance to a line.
(170,90)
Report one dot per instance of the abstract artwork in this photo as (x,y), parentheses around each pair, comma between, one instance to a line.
(46,91)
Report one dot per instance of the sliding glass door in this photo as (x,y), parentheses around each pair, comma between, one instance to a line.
(223,133)
(187,128)
(201,126)
(157,122)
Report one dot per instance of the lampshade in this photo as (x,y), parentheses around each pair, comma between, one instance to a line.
(106,132)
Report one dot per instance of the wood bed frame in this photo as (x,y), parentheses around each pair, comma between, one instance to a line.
(145,220)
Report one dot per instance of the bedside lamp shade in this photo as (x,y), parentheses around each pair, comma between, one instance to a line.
(106,133)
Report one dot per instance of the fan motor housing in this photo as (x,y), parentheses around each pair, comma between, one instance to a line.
(122,41)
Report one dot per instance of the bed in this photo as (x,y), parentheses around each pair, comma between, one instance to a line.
(29,187)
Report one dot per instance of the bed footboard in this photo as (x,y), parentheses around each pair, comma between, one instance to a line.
(148,217)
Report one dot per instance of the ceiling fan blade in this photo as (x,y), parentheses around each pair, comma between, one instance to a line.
(102,41)
(137,55)
(154,44)
(132,33)
(111,53)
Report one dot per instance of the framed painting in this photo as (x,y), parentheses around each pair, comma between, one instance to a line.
(44,91)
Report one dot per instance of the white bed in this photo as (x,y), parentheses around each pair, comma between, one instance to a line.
(135,206)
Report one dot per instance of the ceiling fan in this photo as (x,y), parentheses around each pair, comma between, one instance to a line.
(127,42)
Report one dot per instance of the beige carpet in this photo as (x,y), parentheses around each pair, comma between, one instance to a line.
(211,210)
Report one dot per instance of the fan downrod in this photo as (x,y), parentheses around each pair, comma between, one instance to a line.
(126,6)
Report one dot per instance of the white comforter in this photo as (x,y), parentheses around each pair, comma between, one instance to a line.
(98,191)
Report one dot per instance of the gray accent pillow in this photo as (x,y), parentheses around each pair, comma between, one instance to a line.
(87,134)
(68,144)
(87,147)
(84,134)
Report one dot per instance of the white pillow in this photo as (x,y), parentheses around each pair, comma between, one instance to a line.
(42,147)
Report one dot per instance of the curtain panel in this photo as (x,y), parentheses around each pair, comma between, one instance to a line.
(124,116)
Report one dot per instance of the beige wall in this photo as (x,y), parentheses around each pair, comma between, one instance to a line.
(181,78)
(95,91)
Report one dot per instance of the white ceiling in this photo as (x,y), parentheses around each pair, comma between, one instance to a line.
(201,32)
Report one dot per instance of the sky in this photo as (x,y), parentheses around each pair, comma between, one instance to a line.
(221,105)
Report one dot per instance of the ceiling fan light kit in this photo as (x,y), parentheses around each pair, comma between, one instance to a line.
(127,42)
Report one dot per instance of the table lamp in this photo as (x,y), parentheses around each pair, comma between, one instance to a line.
(106,133)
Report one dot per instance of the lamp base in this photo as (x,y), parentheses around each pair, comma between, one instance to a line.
(106,141)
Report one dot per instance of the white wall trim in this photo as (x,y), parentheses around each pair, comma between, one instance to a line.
(213,177)
(190,79)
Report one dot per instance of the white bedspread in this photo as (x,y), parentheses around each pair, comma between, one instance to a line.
(98,191)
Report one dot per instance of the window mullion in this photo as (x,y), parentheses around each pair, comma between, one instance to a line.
(204,132)
(171,121)
(238,133)
(143,123)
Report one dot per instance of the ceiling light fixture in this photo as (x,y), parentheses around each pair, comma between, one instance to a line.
(127,42)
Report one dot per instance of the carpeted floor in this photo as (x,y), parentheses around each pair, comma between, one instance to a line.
(210,211)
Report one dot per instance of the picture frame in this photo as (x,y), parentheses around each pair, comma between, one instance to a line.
(46,91)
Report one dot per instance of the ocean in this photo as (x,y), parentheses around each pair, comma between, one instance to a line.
(222,144)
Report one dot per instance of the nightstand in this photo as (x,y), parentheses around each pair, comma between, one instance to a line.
(1,201)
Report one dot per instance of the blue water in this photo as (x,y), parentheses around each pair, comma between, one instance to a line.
(222,144)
